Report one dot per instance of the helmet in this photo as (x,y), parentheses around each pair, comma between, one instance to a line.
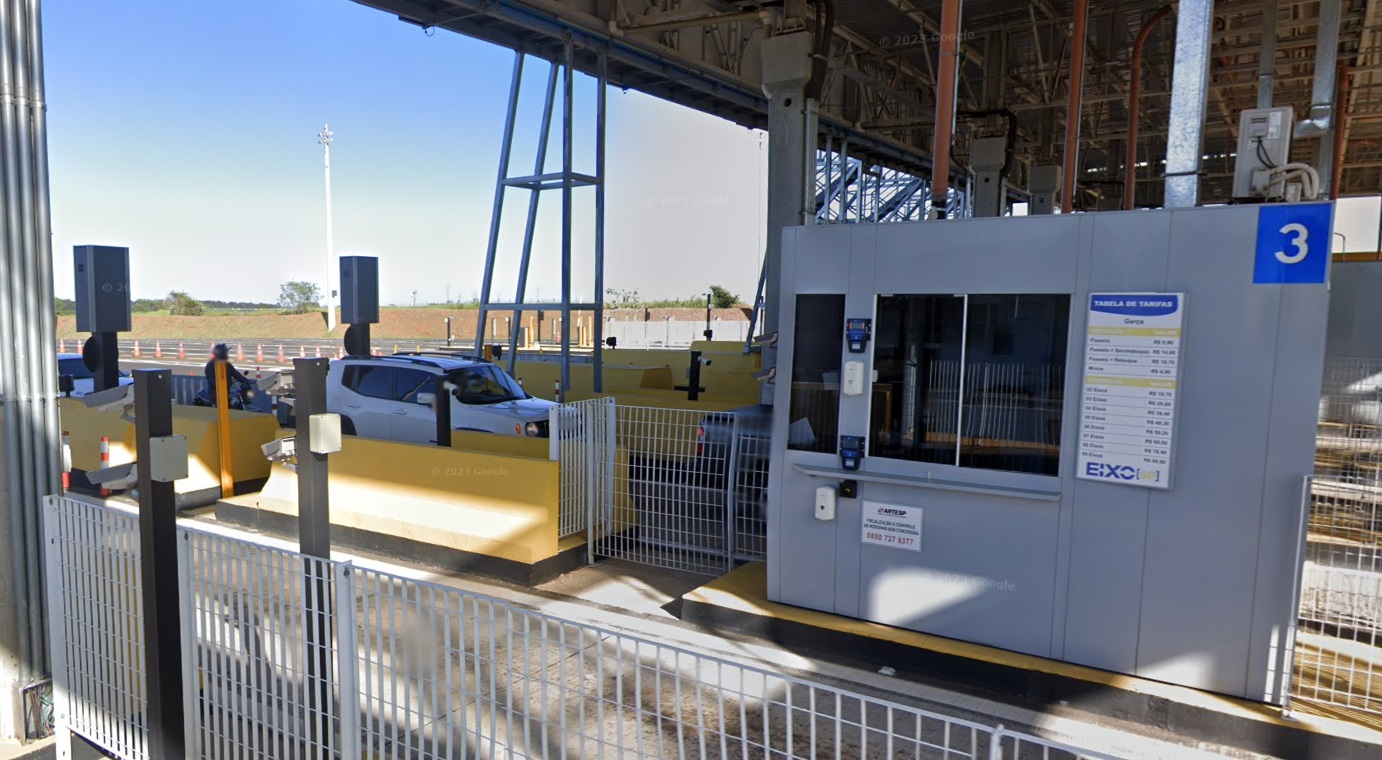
(220,351)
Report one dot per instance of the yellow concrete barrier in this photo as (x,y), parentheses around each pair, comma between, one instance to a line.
(493,443)
(249,431)
(498,505)
(539,377)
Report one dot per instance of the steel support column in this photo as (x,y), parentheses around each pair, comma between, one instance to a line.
(496,214)
(947,86)
(1189,96)
(598,332)
(314,540)
(567,135)
(1073,106)
(158,570)
(1266,62)
(786,69)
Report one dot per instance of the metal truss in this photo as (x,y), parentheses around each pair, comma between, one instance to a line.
(566,180)
(879,92)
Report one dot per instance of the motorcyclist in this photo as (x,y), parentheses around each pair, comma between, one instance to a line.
(220,352)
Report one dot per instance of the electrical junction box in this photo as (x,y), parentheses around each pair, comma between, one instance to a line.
(102,275)
(324,433)
(168,458)
(1264,141)
(1044,183)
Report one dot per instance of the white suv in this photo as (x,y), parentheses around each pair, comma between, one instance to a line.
(392,397)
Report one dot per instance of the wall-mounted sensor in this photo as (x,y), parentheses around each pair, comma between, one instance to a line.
(852,379)
(825,503)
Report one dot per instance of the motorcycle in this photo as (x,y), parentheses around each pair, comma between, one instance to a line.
(240,395)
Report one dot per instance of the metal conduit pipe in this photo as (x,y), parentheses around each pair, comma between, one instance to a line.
(1072,107)
(1134,106)
(43,235)
(40,391)
(1336,171)
(21,565)
(947,83)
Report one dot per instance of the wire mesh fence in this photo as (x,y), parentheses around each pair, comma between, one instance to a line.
(1338,647)
(675,509)
(293,657)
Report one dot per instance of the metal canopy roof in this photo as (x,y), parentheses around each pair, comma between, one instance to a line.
(880,91)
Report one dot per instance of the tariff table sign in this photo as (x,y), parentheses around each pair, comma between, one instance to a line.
(1131,379)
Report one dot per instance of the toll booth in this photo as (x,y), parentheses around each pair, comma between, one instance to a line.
(1080,437)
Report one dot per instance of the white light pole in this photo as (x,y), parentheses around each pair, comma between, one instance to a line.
(324,138)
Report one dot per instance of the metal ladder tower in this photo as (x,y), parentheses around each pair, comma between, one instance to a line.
(565,180)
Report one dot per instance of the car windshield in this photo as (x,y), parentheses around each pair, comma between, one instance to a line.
(485,385)
(75,368)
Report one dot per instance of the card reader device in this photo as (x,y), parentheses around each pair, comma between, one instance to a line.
(851,451)
(857,332)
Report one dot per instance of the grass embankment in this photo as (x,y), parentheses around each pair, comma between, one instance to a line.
(394,324)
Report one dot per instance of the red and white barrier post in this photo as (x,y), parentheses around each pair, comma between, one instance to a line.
(105,460)
(66,460)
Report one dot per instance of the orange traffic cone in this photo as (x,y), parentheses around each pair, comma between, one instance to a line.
(259,353)
(158,349)
(137,352)
(182,352)
(239,352)
(302,351)
(281,358)
(395,348)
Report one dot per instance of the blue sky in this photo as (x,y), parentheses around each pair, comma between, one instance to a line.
(186,131)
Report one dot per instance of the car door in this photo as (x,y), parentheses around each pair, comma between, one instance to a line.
(368,399)
(412,422)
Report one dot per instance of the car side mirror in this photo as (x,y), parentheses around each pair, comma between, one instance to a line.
(426,399)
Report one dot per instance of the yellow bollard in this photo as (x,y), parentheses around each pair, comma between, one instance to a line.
(223,429)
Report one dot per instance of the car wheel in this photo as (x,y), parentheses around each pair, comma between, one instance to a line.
(347,427)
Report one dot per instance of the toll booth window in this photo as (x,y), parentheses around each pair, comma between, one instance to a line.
(815,397)
(974,381)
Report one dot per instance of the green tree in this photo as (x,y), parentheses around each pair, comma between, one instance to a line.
(182,305)
(299,297)
(622,299)
(722,299)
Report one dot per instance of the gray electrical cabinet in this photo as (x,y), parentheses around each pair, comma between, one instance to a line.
(359,290)
(102,277)
(1264,143)
(1082,437)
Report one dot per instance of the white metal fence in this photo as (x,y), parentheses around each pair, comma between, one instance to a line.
(419,670)
(667,333)
(582,436)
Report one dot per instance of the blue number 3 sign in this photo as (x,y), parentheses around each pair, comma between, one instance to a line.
(1293,242)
